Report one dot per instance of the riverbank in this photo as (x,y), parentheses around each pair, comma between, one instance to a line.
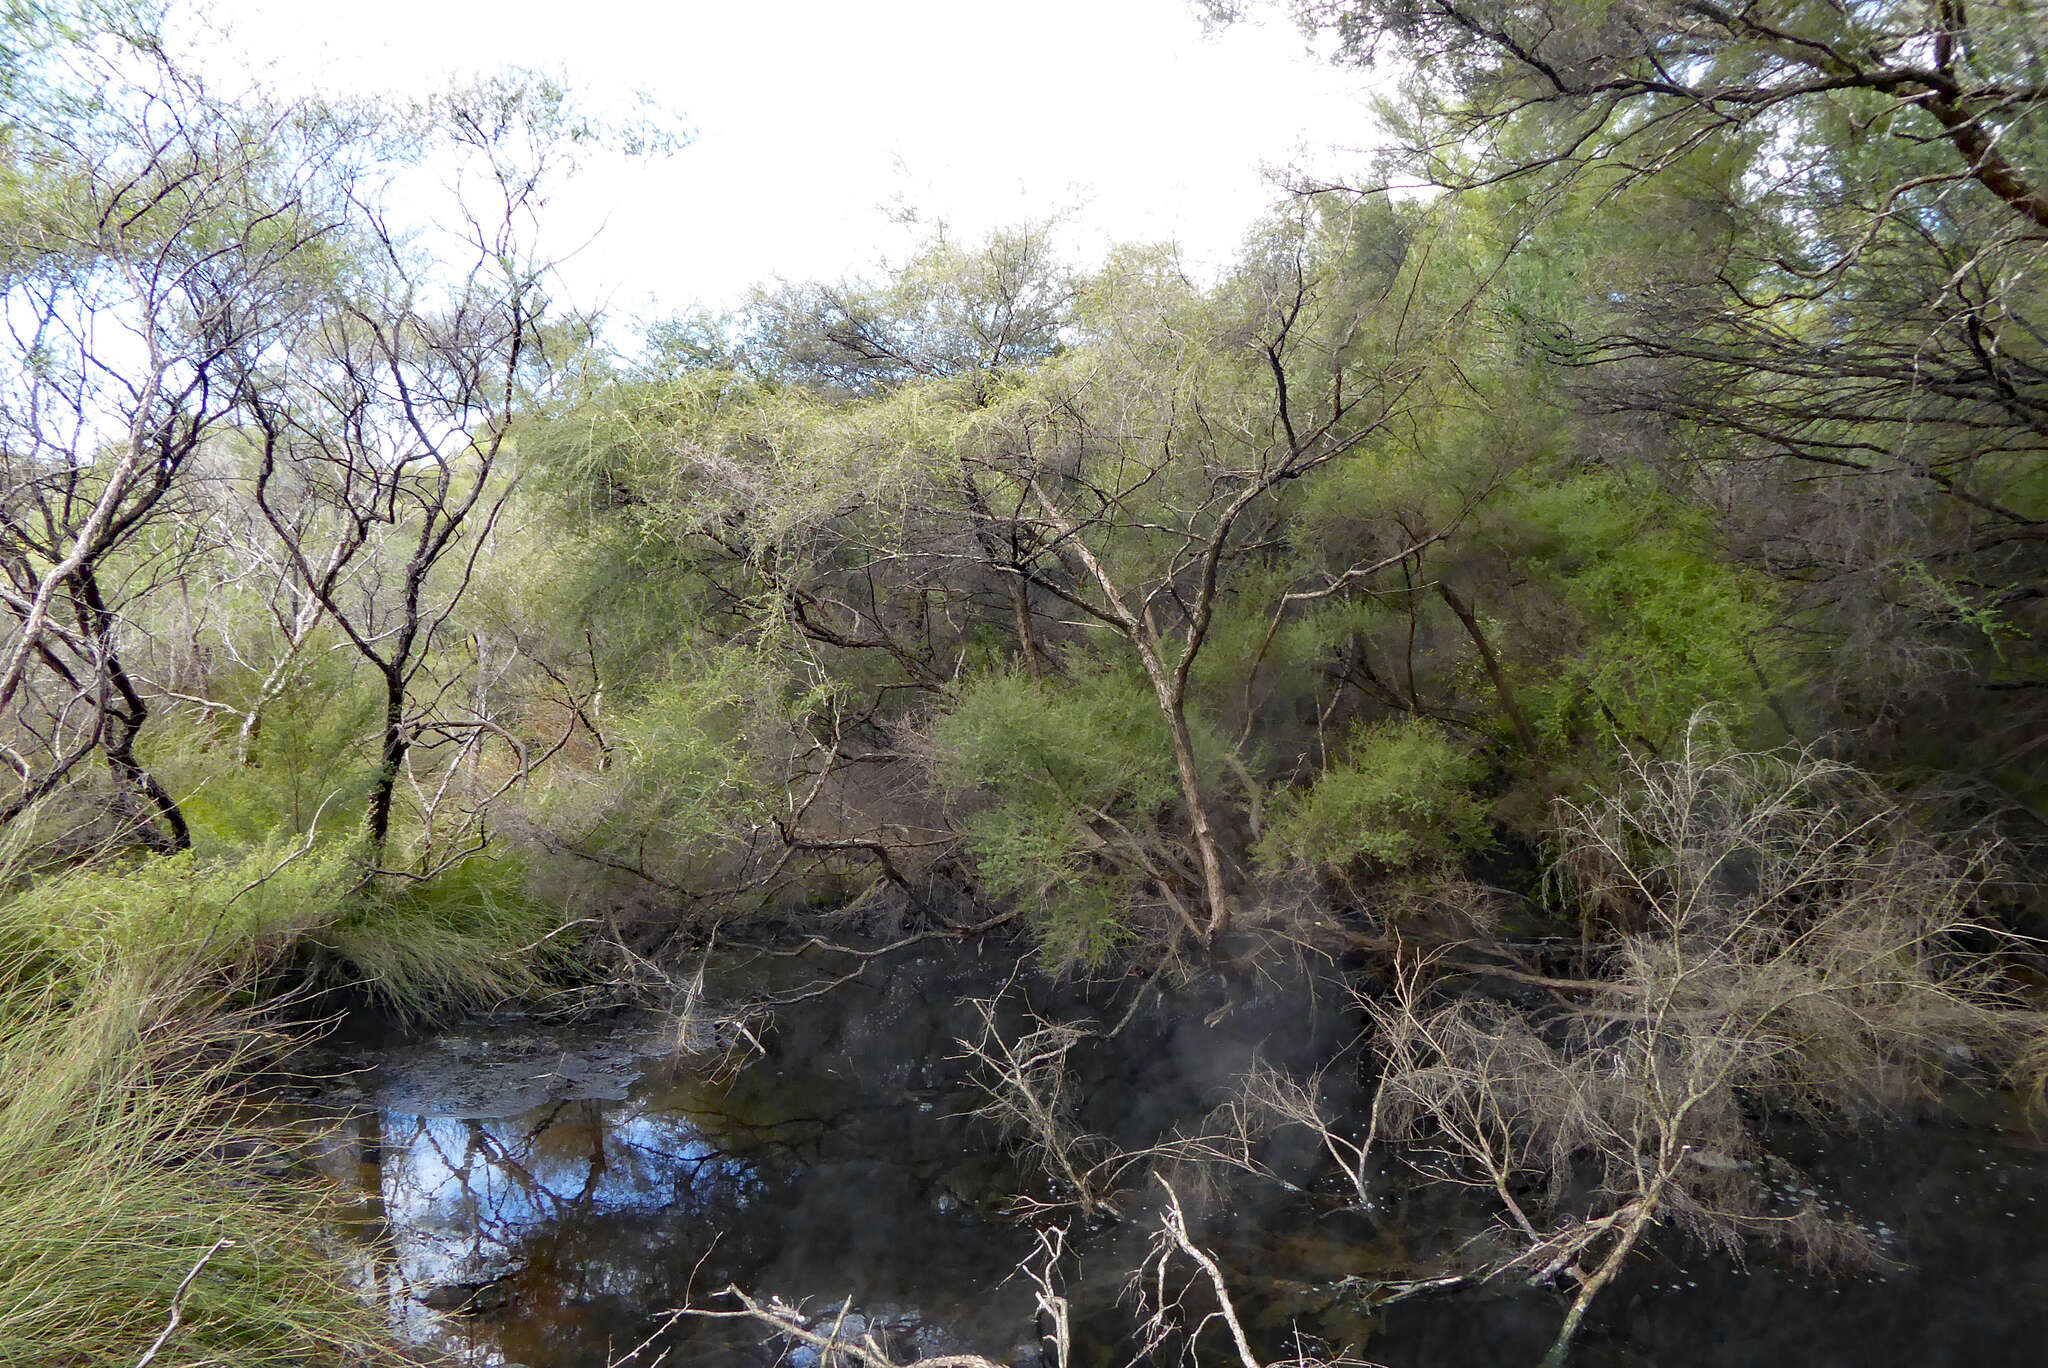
(1314,1109)
(149,1210)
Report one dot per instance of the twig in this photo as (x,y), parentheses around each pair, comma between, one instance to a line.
(178,1303)
(1173,1226)
(788,1320)
(1055,1326)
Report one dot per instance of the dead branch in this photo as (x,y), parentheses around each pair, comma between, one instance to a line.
(834,1348)
(1026,1082)
(1167,1314)
(178,1303)
(1173,1235)
(1785,942)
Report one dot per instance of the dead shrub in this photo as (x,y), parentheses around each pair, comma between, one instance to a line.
(1794,945)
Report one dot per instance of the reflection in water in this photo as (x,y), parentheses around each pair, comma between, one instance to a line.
(555,1236)
(542,1197)
(467,1196)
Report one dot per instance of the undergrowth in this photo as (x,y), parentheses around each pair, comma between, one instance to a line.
(123,1163)
(467,938)
(131,1015)
(283,912)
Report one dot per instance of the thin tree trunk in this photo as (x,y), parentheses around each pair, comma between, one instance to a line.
(1027,633)
(1170,687)
(1624,1245)
(128,719)
(389,763)
(274,683)
(83,544)
(984,520)
(1502,689)
(1214,891)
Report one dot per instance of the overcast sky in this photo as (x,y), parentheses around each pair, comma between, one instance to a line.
(810,119)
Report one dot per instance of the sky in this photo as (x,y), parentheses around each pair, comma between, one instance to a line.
(814,125)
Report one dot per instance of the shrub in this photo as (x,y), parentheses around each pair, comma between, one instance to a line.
(1400,795)
(1075,777)
(1658,625)
(1791,944)
(463,939)
(469,937)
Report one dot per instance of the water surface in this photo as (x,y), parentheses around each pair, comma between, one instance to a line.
(543,1195)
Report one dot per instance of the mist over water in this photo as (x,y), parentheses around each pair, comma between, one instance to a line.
(544,1195)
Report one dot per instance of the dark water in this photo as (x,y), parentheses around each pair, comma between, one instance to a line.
(543,1195)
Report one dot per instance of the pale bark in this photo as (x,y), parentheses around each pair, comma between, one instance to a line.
(1169,687)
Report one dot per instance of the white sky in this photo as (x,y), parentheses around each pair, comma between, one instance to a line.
(811,117)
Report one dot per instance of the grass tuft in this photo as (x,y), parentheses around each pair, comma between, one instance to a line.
(122,1162)
(468,938)
(126,1039)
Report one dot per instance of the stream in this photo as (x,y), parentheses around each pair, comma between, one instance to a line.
(530,1193)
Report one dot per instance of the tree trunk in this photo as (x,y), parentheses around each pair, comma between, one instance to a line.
(1011,571)
(1624,1245)
(1027,633)
(1170,687)
(126,721)
(1214,892)
(389,763)
(1502,689)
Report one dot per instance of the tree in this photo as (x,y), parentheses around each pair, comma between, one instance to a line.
(951,311)
(1818,231)
(154,234)
(956,321)
(1147,468)
(384,416)
(1870,185)
(1775,939)
(794,474)
(1636,85)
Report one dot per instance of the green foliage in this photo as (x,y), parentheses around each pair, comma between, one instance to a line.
(122,1155)
(1091,740)
(118,1175)
(1942,599)
(1659,626)
(189,912)
(1400,795)
(466,938)
(1074,776)
(310,755)
(951,311)
(469,937)
(686,773)
(1245,646)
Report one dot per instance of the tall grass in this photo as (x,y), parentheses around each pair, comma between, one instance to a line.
(122,1163)
(241,915)
(129,1022)
(465,939)
(468,938)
